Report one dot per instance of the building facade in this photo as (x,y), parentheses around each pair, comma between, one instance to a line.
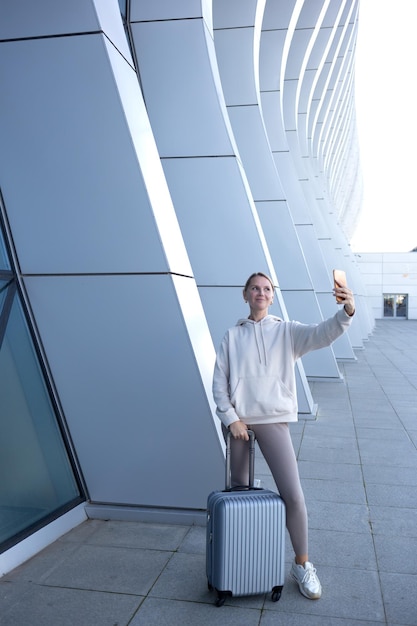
(390,280)
(153,155)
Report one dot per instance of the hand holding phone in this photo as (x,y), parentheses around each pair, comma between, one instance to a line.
(339,280)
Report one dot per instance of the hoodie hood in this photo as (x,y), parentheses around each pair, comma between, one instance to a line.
(268,319)
(259,334)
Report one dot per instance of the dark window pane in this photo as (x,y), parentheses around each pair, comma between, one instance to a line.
(37,478)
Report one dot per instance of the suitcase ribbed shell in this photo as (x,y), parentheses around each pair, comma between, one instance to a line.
(245,541)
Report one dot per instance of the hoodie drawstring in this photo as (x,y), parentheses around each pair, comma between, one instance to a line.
(263,343)
(266,320)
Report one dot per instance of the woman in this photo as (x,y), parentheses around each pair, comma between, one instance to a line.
(254,387)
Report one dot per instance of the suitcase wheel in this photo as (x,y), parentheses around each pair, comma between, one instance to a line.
(276,593)
(221,597)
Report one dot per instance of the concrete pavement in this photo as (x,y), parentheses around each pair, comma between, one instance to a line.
(358,463)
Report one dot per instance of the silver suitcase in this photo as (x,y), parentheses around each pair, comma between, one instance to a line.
(245,551)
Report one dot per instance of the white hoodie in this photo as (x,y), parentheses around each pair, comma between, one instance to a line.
(254,377)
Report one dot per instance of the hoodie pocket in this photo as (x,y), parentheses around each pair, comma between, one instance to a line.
(265,396)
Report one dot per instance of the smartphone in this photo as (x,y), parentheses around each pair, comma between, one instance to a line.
(339,280)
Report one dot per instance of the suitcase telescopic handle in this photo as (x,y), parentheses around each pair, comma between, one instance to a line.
(251,444)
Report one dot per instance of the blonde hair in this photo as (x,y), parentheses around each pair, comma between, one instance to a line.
(245,288)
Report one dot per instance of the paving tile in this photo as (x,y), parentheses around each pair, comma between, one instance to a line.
(336,414)
(383,434)
(161,612)
(393,453)
(413,433)
(396,554)
(346,472)
(49,606)
(408,418)
(195,541)
(269,618)
(376,419)
(184,578)
(83,532)
(326,490)
(340,516)
(104,568)
(387,520)
(139,535)
(350,549)
(399,593)
(331,428)
(320,438)
(328,454)
(43,564)
(403,496)
(388,475)
(13,591)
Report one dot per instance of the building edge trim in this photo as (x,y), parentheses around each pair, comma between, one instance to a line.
(156,515)
(26,549)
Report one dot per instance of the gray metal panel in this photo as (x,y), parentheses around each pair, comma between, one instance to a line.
(255,152)
(26,19)
(132,392)
(167,10)
(217,219)
(70,170)
(284,244)
(47,17)
(182,88)
(235,53)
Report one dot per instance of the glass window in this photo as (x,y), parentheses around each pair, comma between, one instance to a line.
(388,306)
(37,478)
(401,305)
(3,293)
(4,262)
(123,8)
(396,305)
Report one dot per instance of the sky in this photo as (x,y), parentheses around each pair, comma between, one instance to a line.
(386,109)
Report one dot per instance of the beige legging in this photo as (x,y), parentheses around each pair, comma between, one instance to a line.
(276,446)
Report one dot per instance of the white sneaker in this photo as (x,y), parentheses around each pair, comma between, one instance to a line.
(307,579)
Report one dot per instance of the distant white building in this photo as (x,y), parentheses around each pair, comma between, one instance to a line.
(390,279)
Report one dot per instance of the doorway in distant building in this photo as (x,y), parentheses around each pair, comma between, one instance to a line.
(396,305)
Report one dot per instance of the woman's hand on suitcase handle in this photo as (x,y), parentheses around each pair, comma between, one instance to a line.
(239,430)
